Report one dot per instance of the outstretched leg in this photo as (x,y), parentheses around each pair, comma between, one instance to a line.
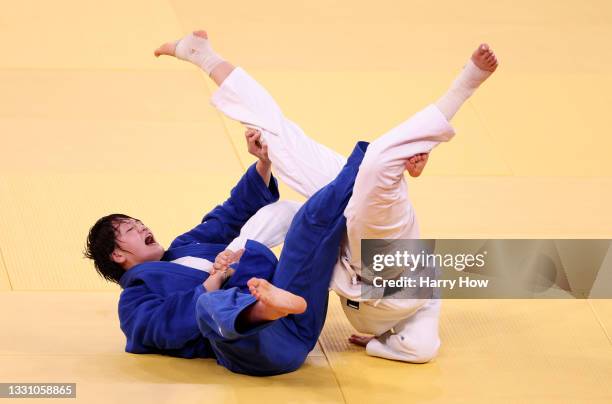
(380,206)
(303,164)
(300,162)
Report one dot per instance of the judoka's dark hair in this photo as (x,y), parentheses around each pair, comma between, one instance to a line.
(101,243)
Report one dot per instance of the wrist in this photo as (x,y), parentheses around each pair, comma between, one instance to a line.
(265,164)
(264,169)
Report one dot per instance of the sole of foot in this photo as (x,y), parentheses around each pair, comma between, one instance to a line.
(280,302)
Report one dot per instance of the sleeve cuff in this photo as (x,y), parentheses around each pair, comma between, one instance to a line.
(268,193)
(199,291)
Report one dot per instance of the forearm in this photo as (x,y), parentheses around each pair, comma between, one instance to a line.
(215,281)
(264,169)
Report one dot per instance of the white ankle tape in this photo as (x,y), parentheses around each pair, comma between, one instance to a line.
(198,51)
(472,76)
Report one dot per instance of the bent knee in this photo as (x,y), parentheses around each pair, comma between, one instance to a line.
(380,179)
(374,164)
(416,351)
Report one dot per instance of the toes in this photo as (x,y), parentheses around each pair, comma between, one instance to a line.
(254,291)
(201,34)
(263,284)
(253,283)
(166,49)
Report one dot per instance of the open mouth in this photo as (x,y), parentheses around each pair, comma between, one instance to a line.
(149,240)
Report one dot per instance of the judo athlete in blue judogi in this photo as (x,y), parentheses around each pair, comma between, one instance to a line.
(268,315)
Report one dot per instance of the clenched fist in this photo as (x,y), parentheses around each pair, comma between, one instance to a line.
(224,259)
(256,146)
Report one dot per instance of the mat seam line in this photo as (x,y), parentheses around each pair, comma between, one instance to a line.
(601,324)
(8,277)
(333,371)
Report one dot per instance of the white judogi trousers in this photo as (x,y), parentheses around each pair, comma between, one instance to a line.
(406,329)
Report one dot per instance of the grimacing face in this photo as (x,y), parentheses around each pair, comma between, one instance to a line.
(135,244)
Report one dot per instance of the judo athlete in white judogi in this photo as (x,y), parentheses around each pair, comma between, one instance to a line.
(380,208)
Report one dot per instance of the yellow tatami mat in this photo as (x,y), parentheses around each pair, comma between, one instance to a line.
(73,337)
(67,34)
(492,351)
(91,124)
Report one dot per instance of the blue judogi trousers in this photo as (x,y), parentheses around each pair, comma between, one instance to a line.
(305,268)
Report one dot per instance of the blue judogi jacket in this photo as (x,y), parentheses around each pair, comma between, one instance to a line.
(157,305)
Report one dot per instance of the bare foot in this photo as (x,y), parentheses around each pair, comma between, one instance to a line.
(169,47)
(360,340)
(484,58)
(416,164)
(273,302)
